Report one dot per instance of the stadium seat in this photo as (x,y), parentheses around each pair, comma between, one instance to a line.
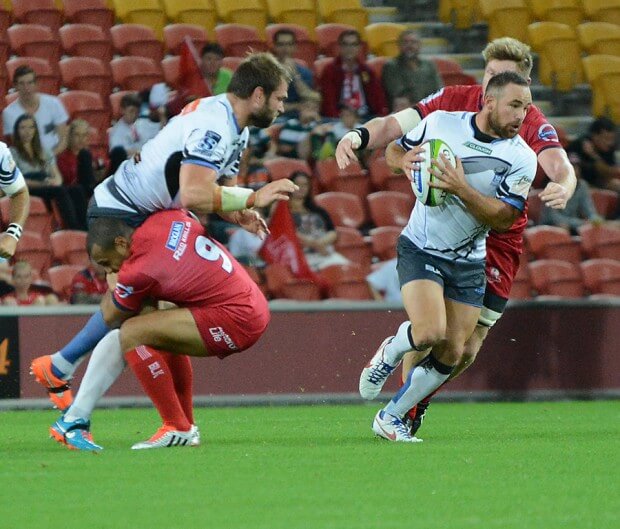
(506,18)
(602,10)
(344,209)
(136,73)
(34,248)
(559,55)
(383,240)
(346,282)
(39,219)
(522,284)
(534,205)
(115,102)
(384,179)
(599,38)
(376,64)
(47,78)
(552,277)
(170,67)
(306,48)
(452,73)
(600,241)
(603,74)
(35,40)
(137,40)
(232,63)
(382,38)
(282,284)
(200,12)
(146,12)
(88,106)
(281,167)
(601,276)
(552,242)
(247,12)
(61,278)
(567,12)
(174,35)
(301,13)
(351,244)
(69,247)
(344,12)
(6,16)
(354,179)
(462,14)
(44,12)
(389,208)
(86,73)
(86,40)
(238,39)
(605,202)
(95,12)
(327,37)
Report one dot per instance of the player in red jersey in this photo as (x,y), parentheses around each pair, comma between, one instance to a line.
(220,309)
(503,249)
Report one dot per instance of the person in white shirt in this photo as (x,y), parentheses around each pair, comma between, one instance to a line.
(131,132)
(384,282)
(46,109)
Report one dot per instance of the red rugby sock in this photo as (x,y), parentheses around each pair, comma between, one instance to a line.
(183,377)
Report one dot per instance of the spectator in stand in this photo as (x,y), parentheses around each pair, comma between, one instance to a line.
(347,81)
(408,73)
(25,293)
(402,101)
(596,151)
(579,208)
(89,285)
(302,84)
(384,283)
(48,111)
(294,137)
(42,176)
(216,76)
(315,229)
(76,161)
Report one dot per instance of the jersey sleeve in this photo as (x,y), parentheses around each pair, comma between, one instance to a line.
(515,185)
(11,178)
(431,103)
(417,135)
(207,145)
(132,287)
(538,133)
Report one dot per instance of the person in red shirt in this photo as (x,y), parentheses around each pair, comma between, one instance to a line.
(76,161)
(220,309)
(503,249)
(89,285)
(25,293)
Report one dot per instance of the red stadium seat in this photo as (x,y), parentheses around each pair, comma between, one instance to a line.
(238,39)
(351,244)
(88,106)
(47,78)
(61,278)
(385,179)
(389,208)
(306,48)
(86,40)
(39,218)
(534,205)
(551,242)
(346,282)
(136,40)
(384,239)
(327,37)
(175,34)
(171,67)
(522,284)
(95,12)
(232,63)
(35,40)
(605,202)
(282,284)
(556,278)
(34,249)
(600,241)
(281,167)
(354,179)
(344,209)
(86,73)
(44,12)
(69,247)
(452,73)
(136,73)
(601,276)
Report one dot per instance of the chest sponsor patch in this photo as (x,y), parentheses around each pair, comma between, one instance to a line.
(174,237)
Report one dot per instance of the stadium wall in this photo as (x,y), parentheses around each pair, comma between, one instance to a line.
(319,348)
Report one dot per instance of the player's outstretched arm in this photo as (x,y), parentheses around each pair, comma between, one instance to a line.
(112,315)
(19,205)
(558,168)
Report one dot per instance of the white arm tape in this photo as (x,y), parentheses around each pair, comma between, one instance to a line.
(407,119)
(354,137)
(15,187)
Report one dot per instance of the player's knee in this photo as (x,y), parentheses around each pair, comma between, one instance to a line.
(427,335)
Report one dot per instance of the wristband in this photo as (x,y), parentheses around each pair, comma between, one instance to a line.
(364,136)
(233,198)
(14,230)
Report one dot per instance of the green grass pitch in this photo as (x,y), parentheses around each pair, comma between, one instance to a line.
(481,466)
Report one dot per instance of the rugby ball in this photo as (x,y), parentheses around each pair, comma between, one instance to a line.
(420,177)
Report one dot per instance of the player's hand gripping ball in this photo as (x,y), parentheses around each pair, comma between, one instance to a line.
(420,177)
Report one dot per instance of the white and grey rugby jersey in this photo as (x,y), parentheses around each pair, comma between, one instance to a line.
(11,178)
(499,168)
(206,133)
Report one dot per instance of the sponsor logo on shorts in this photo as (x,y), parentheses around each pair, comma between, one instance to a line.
(493,275)
(174,237)
(219,335)
(478,148)
(431,268)
(546,132)
(123,291)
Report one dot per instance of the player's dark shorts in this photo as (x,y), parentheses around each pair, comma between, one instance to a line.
(462,282)
(132,218)
(232,328)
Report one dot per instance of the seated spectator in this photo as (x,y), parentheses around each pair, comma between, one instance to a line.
(76,161)
(48,111)
(302,84)
(216,76)
(348,81)
(408,73)
(384,282)
(315,230)
(25,293)
(42,176)
(579,209)
(294,137)
(325,137)
(597,152)
(89,285)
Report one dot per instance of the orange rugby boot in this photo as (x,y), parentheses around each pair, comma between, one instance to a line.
(57,388)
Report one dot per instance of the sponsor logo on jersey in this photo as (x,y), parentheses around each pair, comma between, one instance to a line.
(123,291)
(210,141)
(178,253)
(219,335)
(477,147)
(416,174)
(546,132)
(174,237)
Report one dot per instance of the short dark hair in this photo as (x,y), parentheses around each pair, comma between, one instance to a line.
(20,71)
(258,69)
(131,100)
(103,231)
(602,124)
(212,47)
(349,33)
(284,31)
(499,81)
